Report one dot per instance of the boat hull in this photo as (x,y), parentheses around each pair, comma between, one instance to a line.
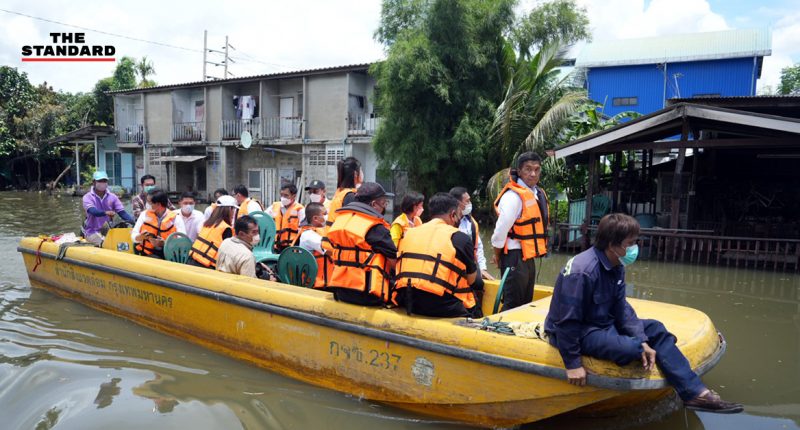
(420,364)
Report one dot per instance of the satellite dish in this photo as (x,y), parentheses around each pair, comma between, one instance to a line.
(246,139)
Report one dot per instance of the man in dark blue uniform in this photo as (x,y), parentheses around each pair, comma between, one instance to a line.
(589,315)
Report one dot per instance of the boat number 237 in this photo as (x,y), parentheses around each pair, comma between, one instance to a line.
(373,357)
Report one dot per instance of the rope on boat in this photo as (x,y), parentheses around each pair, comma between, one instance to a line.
(39,253)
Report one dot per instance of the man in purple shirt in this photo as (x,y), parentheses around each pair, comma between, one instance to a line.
(589,315)
(101,205)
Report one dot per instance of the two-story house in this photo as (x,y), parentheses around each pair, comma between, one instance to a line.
(260,131)
(642,74)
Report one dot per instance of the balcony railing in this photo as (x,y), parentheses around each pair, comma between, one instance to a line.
(133,133)
(362,124)
(187,131)
(232,128)
(282,128)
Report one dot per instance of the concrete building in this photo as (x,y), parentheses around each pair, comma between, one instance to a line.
(194,136)
(641,75)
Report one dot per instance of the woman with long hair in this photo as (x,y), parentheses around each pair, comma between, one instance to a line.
(216,229)
(349,178)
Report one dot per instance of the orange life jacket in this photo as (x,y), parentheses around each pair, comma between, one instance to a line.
(530,229)
(402,221)
(355,265)
(427,261)
(205,247)
(324,263)
(336,203)
(287,224)
(243,207)
(160,229)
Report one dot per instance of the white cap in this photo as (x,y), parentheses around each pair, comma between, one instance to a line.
(227,201)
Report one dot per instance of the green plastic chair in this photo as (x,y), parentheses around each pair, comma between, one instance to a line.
(297,266)
(264,251)
(499,297)
(601,206)
(176,247)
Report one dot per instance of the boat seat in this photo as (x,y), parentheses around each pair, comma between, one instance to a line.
(176,247)
(264,250)
(297,266)
(499,298)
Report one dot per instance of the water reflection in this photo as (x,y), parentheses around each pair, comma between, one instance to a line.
(68,366)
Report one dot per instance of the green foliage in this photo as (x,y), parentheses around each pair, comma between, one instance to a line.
(124,77)
(438,88)
(398,16)
(144,68)
(104,104)
(554,21)
(17,95)
(790,80)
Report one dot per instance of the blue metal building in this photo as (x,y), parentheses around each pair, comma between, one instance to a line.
(642,74)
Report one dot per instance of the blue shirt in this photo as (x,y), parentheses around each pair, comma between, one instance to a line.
(589,295)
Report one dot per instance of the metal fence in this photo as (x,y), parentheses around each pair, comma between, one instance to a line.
(362,124)
(187,131)
(133,133)
(232,129)
(282,128)
(683,246)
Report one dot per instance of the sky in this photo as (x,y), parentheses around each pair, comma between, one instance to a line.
(271,36)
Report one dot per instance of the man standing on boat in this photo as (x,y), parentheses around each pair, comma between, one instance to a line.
(246,204)
(288,214)
(436,269)
(361,248)
(139,201)
(520,235)
(100,206)
(589,315)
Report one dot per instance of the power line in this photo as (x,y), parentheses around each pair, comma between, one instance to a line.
(102,32)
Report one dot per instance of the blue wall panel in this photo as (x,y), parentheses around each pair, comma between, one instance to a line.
(733,77)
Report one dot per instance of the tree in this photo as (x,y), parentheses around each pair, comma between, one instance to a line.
(438,88)
(17,95)
(790,80)
(144,68)
(554,21)
(398,16)
(124,77)
(38,126)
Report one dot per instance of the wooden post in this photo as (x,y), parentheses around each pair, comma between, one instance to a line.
(616,167)
(589,193)
(676,179)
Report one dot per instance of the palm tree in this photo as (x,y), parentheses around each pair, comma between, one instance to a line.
(145,68)
(537,103)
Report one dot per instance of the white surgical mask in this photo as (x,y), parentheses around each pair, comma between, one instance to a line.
(467,209)
(285,201)
(315,198)
(256,239)
(148,206)
(99,186)
(187,209)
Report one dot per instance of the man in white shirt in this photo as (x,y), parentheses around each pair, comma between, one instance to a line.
(189,221)
(235,255)
(219,192)
(520,234)
(469,226)
(310,237)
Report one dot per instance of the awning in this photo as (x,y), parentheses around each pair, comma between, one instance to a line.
(181,158)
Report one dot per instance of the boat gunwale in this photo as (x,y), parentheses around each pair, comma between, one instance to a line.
(598,381)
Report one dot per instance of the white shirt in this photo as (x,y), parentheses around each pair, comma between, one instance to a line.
(466,227)
(311,241)
(137,228)
(207,212)
(510,209)
(190,225)
(252,206)
(301,214)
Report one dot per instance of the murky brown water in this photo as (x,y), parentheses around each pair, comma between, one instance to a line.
(63,365)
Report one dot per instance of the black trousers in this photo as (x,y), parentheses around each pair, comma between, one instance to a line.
(518,289)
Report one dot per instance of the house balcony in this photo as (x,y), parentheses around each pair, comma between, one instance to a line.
(232,129)
(187,131)
(362,124)
(282,128)
(132,133)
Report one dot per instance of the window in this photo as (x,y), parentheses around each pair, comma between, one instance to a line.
(114,167)
(316,157)
(154,154)
(626,101)
(212,158)
(334,155)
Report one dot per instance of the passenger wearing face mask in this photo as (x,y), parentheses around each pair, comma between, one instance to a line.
(589,315)
(412,207)
(316,193)
(361,248)
(100,206)
(349,178)
(154,226)
(436,269)
(310,239)
(288,214)
(236,253)
(247,205)
(139,201)
(469,226)
(215,230)
(189,221)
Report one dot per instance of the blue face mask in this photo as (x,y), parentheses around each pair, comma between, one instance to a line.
(631,253)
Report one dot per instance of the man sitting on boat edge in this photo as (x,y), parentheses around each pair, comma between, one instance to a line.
(361,248)
(589,315)
(436,269)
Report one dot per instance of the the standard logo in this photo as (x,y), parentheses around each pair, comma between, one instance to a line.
(68,47)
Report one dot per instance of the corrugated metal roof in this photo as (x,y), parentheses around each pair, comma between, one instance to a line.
(715,45)
(321,70)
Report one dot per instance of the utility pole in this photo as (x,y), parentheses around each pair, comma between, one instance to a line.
(224,62)
(205,51)
(225,74)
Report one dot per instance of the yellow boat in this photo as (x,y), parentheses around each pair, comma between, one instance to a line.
(432,366)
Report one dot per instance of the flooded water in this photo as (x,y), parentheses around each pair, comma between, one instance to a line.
(63,365)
